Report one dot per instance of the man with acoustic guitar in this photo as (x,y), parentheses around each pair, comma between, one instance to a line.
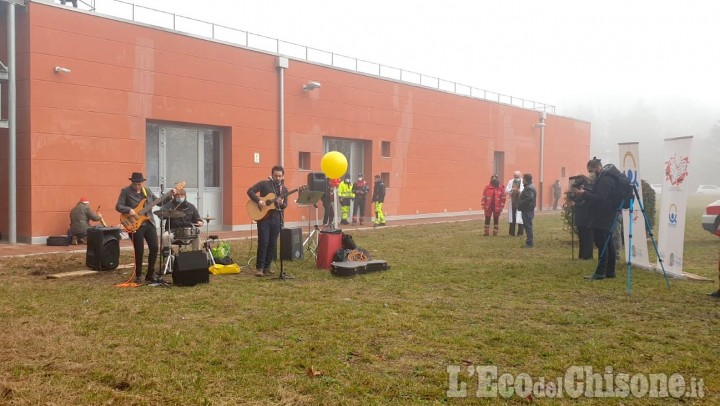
(131,205)
(269,227)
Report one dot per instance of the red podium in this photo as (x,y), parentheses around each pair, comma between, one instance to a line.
(328,244)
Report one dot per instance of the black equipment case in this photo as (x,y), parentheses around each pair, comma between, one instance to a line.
(352,268)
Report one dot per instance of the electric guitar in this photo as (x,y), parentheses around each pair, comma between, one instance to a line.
(132,222)
(258,212)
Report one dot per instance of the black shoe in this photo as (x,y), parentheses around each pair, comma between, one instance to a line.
(527,246)
(381,224)
(610,276)
(594,277)
(715,294)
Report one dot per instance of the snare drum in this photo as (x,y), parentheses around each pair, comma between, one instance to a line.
(186,233)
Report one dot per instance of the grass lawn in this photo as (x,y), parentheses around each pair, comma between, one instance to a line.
(453,300)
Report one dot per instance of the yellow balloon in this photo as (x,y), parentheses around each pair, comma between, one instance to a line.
(334,164)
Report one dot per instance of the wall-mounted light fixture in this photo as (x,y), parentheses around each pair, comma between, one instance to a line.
(60,69)
(310,86)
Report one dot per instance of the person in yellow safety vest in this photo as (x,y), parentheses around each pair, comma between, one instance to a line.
(377,200)
(345,193)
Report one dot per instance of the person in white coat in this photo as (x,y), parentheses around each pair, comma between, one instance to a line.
(513,189)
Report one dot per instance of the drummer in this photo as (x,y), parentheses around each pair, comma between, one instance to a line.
(184,226)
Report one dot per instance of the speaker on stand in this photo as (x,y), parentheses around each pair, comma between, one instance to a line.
(103,248)
(317,182)
(291,244)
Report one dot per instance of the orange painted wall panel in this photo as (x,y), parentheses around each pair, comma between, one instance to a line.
(85,131)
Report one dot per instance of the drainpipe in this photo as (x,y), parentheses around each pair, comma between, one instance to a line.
(282,64)
(12,127)
(541,124)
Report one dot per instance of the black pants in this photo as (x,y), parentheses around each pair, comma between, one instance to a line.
(74,2)
(513,221)
(147,232)
(606,262)
(585,237)
(268,232)
(359,207)
(328,212)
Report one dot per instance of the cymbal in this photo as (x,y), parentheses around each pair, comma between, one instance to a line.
(207,218)
(169,214)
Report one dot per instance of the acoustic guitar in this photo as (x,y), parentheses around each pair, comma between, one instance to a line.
(132,222)
(258,212)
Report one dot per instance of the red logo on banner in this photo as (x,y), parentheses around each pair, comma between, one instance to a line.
(676,170)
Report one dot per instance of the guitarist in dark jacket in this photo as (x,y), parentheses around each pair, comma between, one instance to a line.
(129,199)
(269,227)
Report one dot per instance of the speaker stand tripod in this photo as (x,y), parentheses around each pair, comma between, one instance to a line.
(311,199)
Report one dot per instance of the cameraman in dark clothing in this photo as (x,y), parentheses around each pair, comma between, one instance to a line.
(581,215)
(602,216)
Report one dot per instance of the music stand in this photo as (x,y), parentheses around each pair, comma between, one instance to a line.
(311,198)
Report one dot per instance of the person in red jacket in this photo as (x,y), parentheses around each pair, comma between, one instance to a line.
(493,202)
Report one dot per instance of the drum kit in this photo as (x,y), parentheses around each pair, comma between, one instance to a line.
(182,236)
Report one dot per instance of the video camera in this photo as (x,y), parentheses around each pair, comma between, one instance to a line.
(579,182)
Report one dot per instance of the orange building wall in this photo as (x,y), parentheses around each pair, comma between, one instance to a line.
(84,133)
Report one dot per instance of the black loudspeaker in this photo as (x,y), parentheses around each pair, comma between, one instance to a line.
(190,268)
(103,248)
(317,182)
(291,246)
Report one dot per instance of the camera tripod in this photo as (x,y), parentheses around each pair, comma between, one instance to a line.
(628,250)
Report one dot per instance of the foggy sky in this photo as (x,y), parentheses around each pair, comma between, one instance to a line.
(639,70)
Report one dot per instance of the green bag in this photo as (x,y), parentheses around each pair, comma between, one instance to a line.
(222,250)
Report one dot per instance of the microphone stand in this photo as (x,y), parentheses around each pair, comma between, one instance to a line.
(282,275)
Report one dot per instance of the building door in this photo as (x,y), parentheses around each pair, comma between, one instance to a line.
(177,152)
(353,150)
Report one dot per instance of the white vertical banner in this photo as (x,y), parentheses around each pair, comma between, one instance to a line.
(674,203)
(630,166)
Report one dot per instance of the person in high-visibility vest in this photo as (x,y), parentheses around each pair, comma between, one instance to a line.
(345,193)
(377,200)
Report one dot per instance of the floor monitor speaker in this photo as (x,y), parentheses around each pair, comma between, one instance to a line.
(190,268)
(317,182)
(103,248)
(291,246)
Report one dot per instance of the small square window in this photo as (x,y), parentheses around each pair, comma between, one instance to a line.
(304,161)
(385,178)
(385,149)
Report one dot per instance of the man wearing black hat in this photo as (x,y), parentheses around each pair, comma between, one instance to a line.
(128,201)
(361,189)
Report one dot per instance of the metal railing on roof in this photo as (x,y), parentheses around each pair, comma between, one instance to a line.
(189,25)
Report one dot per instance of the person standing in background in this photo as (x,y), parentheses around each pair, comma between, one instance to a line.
(345,193)
(377,200)
(557,192)
(526,204)
(360,189)
(493,202)
(513,188)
